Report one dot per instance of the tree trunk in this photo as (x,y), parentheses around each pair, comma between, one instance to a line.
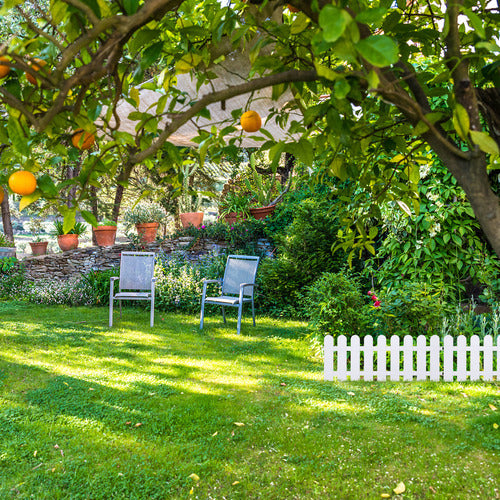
(6,218)
(120,189)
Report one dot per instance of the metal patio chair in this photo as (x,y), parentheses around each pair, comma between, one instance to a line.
(237,287)
(136,281)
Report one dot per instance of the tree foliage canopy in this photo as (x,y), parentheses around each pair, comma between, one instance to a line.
(380,85)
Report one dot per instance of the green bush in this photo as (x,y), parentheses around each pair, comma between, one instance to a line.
(98,282)
(408,309)
(12,278)
(334,305)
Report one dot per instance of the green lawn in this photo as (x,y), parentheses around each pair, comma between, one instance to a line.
(170,412)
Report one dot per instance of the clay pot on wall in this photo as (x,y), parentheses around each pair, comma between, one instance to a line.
(105,235)
(67,241)
(39,247)
(262,212)
(147,231)
(191,218)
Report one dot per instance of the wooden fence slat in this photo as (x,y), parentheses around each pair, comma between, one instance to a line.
(381,358)
(368,359)
(342,358)
(474,358)
(435,358)
(422,358)
(448,350)
(408,357)
(395,356)
(328,355)
(461,351)
(355,358)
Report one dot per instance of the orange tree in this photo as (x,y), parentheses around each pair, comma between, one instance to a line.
(363,74)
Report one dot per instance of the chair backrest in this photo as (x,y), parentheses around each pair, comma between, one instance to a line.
(136,270)
(239,269)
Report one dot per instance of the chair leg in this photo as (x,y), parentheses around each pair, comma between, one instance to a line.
(223,314)
(152,315)
(240,310)
(202,313)
(120,302)
(253,313)
(110,312)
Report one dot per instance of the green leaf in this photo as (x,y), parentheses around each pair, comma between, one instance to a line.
(485,142)
(379,50)
(300,23)
(333,22)
(370,16)
(47,186)
(17,136)
(131,6)
(373,79)
(461,121)
(29,199)
(89,217)
(476,23)
(325,71)
(69,220)
(151,54)
(341,89)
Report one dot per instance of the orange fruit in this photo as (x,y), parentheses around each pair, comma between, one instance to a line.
(1,194)
(293,9)
(22,182)
(82,143)
(4,70)
(36,64)
(250,121)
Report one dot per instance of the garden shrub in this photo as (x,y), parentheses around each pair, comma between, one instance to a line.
(335,305)
(408,309)
(99,282)
(74,291)
(12,278)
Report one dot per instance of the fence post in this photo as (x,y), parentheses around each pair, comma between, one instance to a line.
(408,357)
(328,358)
(422,358)
(381,358)
(342,357)
(488,357)
(474,357)
(395,358)
(435,358)
(448,349)
(368,358)
(355,358)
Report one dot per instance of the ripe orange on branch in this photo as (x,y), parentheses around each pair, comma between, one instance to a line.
(250,121)
(1,194)
(22,182)
(82,139)
(36,65)
(4,69)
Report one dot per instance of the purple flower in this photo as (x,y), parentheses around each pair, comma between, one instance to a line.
(203,227)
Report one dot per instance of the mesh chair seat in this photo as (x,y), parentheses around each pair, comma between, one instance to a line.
(136,281)
(226,300)
(237,287)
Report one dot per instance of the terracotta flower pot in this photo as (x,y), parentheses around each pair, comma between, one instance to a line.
(147,231)
(191,218)
(39,247)
(262,212)
(233,217)
(105,235)
(67,242)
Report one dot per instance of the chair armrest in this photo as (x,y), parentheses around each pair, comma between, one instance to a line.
(112,285)
(245,285)
(212,281)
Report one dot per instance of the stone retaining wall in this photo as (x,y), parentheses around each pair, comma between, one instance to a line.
(82,260)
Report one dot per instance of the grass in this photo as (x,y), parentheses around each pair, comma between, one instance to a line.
(170,412)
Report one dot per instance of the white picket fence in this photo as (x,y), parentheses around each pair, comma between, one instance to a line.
(412,359)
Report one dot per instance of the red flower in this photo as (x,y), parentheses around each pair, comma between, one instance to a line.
(374,298)
(376,303)
(370,293)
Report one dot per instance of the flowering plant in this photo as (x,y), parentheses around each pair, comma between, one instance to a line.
(376,302)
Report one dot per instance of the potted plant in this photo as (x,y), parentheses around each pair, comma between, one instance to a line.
(105,233)
(265,189)
(69,240)
(38,245)
(190,201)
(235,206)
(146,216)
(7,247)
